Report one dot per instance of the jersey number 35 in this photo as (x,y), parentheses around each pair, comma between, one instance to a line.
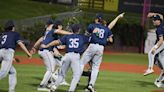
(74,43)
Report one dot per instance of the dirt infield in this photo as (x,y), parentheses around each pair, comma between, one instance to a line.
(107,66)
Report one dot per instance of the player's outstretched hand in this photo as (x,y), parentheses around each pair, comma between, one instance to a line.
(29,56)
(121,15)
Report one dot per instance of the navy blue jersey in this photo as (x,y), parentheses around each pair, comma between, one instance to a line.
(74,42)
(9,40)
(101,36)
(48,38)
(160,31)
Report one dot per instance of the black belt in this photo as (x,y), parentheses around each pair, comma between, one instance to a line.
(73,52)
(6,48)
(97,43)
(43,49)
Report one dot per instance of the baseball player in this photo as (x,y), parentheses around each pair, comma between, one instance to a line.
(100,34)
(46,53)
(157,49)
(9,40)
(74,47)
(157,20)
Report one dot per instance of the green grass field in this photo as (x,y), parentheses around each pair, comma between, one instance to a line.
(127,58)
(29,76)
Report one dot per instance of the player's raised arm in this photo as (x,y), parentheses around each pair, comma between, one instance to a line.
(25,49)
(58,28)
(112,24)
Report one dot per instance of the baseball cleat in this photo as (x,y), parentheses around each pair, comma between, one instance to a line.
(53,88)
(43,88)
(156,82)
(50,85)
(159,84)
(64,83)
(148,71)
(90,87)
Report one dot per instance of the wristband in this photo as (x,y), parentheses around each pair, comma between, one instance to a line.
(156,46)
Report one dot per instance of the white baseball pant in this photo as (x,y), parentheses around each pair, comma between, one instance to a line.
(151,56)
(94,52)
(72,60)
(6,67)
(50,64)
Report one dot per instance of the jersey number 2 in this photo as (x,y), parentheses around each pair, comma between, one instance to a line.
(3,39)
(74,43)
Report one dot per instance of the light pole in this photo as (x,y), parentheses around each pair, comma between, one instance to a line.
(146,9)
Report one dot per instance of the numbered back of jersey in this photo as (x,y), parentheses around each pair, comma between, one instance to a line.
(73,43)
(101,33)
(3,39)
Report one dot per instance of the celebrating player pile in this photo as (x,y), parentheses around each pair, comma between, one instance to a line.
(52,28)
(100,34)
(46,45)
(74,47)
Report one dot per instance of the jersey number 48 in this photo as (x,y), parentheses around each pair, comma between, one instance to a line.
(101,33)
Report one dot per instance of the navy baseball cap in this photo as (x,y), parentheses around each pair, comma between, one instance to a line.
(156,17)
(9,24)
(75,28)
(99,16)
(49,22)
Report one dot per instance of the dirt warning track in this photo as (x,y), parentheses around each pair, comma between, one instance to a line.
(107,66)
